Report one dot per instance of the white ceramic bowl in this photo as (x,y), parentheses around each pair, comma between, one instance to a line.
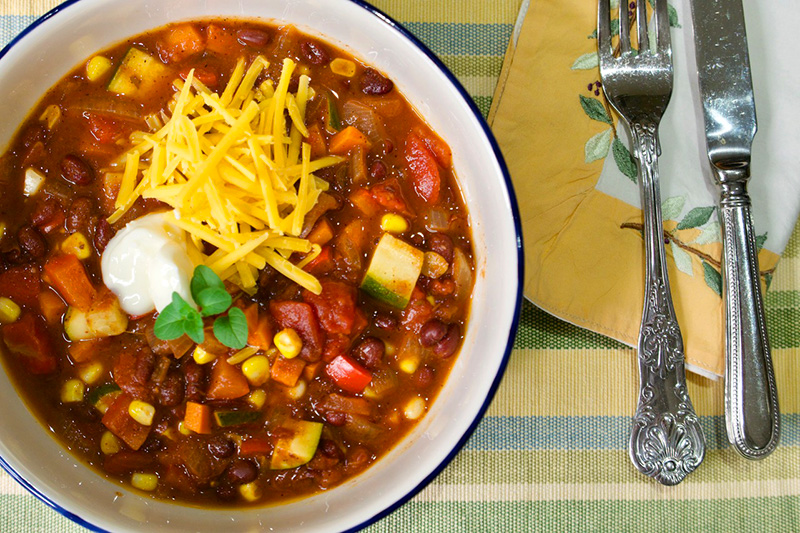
(69,34)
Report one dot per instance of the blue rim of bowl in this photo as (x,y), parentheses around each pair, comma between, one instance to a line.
(512,200)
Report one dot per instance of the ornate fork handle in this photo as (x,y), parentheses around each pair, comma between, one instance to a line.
(667,441)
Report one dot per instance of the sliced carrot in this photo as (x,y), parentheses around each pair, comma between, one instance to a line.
(181,42)
(321,233)
(317,142)
(365,202)
(287,371)
(259,328)
(310,370)
(346,140)
(120,423)
(69,278)
(227,382)
(82,351)
(52,306)
(197,418)
(220,40)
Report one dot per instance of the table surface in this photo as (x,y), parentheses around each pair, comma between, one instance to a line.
(550,454)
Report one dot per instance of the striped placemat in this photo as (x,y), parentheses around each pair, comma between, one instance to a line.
(550,455)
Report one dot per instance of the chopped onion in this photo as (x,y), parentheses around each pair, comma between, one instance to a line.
(33,182)
(364,119)
(436,219)
(462,274)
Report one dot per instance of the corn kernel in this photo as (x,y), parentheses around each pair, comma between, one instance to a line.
(256,370)
(202,357)
(51,115)
(72,391)
(298,391)
(96,67)
(109,443)
(142,412)
(250,491)
(77,245)
(409,364)
(183,429)
(257,398)
(147,482)
(242,355)
(169,433)
(431,300)
(288,343)
(343,67)
(91,373)
(9,311)
(370,393)
(414,408)
(393,223)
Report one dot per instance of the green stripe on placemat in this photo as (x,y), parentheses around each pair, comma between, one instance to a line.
(538,329)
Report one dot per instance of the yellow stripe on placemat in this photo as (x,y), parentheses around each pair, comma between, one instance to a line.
(27,7)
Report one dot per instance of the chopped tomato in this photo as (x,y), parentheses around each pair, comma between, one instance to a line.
(388,194)
(180,42)
(348,374)
(365,202)
(335,306)
(132,371)
(423,169)
(21,284)
(322,263)
(255,446)
(103,127)
(335,345)
(120,423)
(300,317)
(29,340)
(440,150)
(227,382)
(416,314)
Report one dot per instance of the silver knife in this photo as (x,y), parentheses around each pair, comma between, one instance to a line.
(729,111)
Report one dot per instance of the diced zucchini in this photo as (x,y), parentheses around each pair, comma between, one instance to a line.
(104,319)
(393,271)
(137,72)
(291,452)
(103,396)
(234,418)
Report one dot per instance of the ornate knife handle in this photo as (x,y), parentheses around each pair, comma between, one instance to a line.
(751,398)
(667,441)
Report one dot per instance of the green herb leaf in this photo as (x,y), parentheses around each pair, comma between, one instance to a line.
(169,324)
(213,301)
(202,279)
(231,330)
(193,325)
(179,318)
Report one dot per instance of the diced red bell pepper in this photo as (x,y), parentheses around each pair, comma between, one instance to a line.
(335,306)
(21,284)
(348,374)
(300,317)
(227,382)
(29,340)
(423,169)
(119,422)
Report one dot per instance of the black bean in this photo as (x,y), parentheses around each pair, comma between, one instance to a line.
(370,352)
(442,245)
(385,322)
(377,171)
(76,170)
(449,343)
(32,242)
(432,332)
(314,53)
(221,446)
(335,418)
(328,448)
(241,471)
(253,37)
(375,83)
(79,213)
(172,392)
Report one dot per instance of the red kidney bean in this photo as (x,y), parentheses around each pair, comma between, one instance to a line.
(103,232)
(377,171)
(45,212)
(375,83)
(241,471)
(442,245)
(315,54)
(328,448)
(370,352)
(195,378)
(449,343)
(221,446)
(385,322)
(424,377)
(432,332)
(76,170)
(32,242)
(335,418)
(172,389)
(255,38)
(78,214)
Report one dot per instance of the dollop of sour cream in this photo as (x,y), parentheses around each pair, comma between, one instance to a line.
(145,263)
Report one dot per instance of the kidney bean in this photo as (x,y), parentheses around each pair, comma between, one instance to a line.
(432,332)
(78,214)
(385,322)
(315,54)
(424,377)
(253,37)
(45,212)
(335,418)
(442,245)
(328,448)
(241,471)
(375,83)
(221,446)
(76,170)
(103,232)
(449,343)
(172,390)
(377,171)
(195,378)
(32,242)
(370,352)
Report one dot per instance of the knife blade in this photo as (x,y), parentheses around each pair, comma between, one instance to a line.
(729,113)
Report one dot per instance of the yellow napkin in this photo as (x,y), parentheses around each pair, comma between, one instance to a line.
(582,234)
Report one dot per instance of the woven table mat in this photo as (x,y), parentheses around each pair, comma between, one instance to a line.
(550,455)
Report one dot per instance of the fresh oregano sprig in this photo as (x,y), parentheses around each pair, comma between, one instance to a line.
(208,291)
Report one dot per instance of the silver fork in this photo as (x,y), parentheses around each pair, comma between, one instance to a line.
(667,441)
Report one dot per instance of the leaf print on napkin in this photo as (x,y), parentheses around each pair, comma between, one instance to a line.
(713,278)
(597,146)
(594,109)
(696,217)
(624,160)
(586,62)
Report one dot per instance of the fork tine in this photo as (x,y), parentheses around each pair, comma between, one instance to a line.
(641,25)
(604,28)
(624,28)
(661,17)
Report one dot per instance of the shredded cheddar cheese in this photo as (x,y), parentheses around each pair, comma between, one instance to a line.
(235,170)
